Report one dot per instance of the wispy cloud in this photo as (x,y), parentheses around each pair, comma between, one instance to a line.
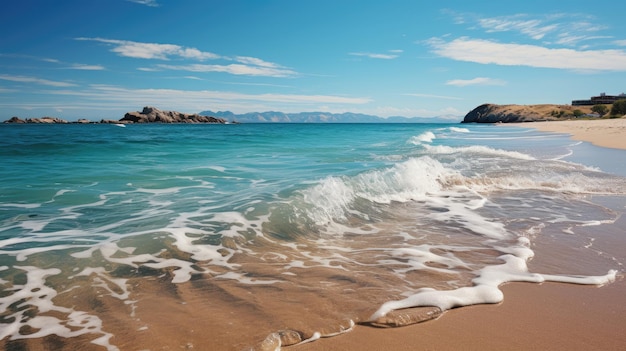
(245,65)
(151,3)
(255,61)
(135,49)
(492,52)
(31,57)
(430,96)
(475,81)
(40,81)
(375,56)
(236,69)
(84,67)
(568,29)
(196,100)
(620,42)
(533,28)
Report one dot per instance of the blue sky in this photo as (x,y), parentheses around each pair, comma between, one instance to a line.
(101,58)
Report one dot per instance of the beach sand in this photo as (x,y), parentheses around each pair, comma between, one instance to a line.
(549,316)
(601,132)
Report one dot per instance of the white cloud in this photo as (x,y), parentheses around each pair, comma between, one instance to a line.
(533,28)
(148,69)
(134,49)
(151,3)
(374,56)
(475,81)
(255,62)
(236,69)
(563,28)
(491,52)
(87,67)
(620,42)
(196,100)
(246,65)
(23,79)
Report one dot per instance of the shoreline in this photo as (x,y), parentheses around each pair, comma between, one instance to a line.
(609,133)
(532,316)
(546,316)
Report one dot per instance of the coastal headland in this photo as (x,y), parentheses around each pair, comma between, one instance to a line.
(493,113)
(581,122)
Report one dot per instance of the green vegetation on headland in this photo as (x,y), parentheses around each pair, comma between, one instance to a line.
(492,113)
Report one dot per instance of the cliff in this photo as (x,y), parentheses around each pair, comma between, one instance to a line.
(492,113)
(154,115)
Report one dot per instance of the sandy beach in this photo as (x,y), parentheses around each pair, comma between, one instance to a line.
(602,132)
(549,316)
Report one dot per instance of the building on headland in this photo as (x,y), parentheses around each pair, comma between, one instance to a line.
(602,99)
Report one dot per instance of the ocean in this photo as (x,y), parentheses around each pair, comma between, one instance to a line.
(261,236)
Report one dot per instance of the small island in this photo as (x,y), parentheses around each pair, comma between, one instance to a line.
(147,115)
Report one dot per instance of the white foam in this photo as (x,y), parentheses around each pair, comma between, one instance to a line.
(218,168)
(35,292)
(426,137)
(9,204)
(183,270)
(486,285)
(459,130)
(477,149)
(333,197)
(104,280)
(245,280)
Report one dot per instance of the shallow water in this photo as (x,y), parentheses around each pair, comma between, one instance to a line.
(227,237)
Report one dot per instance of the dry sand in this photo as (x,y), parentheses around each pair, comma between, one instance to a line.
(601,132)
(549,316)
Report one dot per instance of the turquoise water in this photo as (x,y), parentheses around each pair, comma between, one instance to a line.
(307,227)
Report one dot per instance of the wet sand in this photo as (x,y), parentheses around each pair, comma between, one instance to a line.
(601,132)
(549,316)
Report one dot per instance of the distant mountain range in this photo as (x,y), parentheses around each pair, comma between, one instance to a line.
(323,117)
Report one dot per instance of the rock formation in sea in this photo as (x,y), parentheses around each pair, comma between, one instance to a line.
(44,120)
(154,115)
(492,113)
(147,115)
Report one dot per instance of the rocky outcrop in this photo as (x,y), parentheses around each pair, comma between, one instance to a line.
(154,115)
(112,121)
(42,120)
(492,113)
(47,120)
(15,120)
